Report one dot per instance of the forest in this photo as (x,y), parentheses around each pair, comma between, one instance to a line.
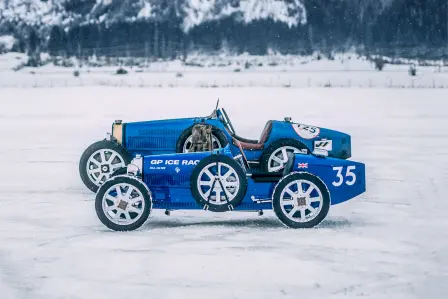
(169,29)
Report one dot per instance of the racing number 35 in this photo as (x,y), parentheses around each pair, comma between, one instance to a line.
(348,174)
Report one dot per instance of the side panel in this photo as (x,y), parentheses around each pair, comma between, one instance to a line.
(154,137)
(344,179)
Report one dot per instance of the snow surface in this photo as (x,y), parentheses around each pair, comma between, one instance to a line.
(346,70)
(391,242)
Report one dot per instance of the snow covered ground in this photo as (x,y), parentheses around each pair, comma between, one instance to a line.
(391,242)
(346,70)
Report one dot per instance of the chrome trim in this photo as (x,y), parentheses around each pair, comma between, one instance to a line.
(136,166)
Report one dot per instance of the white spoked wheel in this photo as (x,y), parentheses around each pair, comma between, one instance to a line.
(101,164)
(215,143)
(123,204)
(301,201)
(279,157)
(218,183)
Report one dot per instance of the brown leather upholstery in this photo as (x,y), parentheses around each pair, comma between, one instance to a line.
(266,132)
(263,138)
(251,146)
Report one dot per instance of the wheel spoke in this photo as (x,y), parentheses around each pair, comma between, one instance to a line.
(291,193)
(134,209)
(226,175)
(287,202)
(118,189)
(111,198)
(229,184)
(126,215)
(94,161)
(292,212)
(285,155)
(128,193)
(135,200)
(207,193)
(112,157)
(93,171)
(118,214)
(312,210)
(308,192)
(205,183)
(99,178)
(278,160)
(103,157)
(302,214)
(315,199)
(209,174)
(299,188)
(276,168)
(110,208)
(218,195)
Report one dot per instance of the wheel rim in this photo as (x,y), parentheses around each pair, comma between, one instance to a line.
(279,157)
(101,164)
(212,176)
(123,204)
(301,201)
(187,144)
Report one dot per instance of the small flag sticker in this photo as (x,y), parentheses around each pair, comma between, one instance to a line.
(302,165)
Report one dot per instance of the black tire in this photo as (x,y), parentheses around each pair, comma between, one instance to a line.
(120,180)
(119,171)
(187,133)
(207,205)
(103,144)
(276,206)
(264,161)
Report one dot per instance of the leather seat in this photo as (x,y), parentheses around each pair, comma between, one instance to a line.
(256,145)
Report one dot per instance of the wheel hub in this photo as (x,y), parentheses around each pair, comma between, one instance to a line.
(123,205)
(301,201)
(105,168)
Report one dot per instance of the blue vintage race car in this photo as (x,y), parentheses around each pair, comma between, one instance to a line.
(268,153)
(223,180)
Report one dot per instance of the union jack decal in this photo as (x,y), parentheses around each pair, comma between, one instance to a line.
(302,165)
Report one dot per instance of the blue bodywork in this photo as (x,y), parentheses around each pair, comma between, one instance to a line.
(161,136)
(168,178)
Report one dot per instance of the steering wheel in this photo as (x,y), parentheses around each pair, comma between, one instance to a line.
(227,121)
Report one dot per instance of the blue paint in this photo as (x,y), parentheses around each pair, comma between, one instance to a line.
(168,178)
(160,136)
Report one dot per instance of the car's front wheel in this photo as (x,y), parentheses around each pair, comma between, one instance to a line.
(123,203)
(99,161)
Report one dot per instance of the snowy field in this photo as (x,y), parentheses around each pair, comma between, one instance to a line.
(391,242)
(229,72)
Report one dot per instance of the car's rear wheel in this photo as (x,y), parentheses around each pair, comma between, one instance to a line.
(218,183)
(99,161)
(275,156)
(184,141)
(123,203)
(301,200)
